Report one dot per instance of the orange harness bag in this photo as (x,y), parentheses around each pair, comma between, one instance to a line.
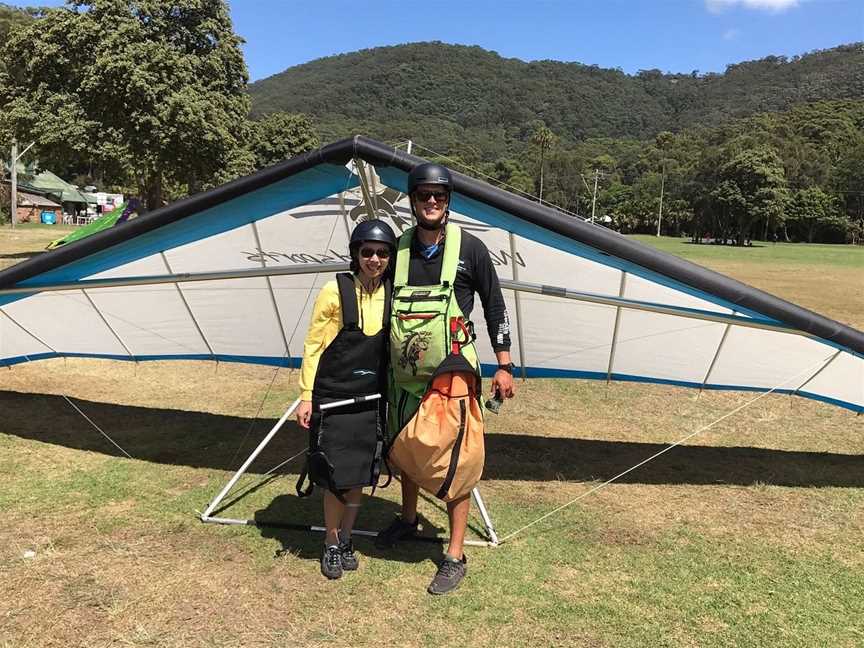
(441,447)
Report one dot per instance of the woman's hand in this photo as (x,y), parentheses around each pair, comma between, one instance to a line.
(304,413)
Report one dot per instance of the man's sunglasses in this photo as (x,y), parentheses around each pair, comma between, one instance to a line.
(439,196)
(368,253)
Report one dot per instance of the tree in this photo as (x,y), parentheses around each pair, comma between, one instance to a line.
(848,183)
(154,90)
(810,209)
(12,18)
(544,139)
(752,187)
(279,136)
(511,174)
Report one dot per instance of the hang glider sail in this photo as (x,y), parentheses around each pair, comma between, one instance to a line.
(231,275)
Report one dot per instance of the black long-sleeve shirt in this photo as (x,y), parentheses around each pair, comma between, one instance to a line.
(475,273)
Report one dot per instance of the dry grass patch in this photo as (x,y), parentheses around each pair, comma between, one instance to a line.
(824,290)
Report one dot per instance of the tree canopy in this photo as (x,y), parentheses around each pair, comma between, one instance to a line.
(491,102)
(150,92)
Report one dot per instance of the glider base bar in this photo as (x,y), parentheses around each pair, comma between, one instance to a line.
(487,520)
(251,458)
(319,529)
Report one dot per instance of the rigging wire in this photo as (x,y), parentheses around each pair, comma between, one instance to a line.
(657,454)
(98,429)
(251,486)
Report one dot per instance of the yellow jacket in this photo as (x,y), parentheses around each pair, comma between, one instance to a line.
(327,322)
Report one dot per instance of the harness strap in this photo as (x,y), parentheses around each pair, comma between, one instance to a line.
(449,264)
(348,301)
(388,296)
(301,492)
(403,258)
(454,454)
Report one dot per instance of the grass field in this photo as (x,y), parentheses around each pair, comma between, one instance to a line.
(751,534)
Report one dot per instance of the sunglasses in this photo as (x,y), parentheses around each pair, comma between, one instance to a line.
(439,196)
(381,253)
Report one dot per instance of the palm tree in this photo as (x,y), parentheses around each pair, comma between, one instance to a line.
(544,138)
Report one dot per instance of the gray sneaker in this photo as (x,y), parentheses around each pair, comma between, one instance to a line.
(331,562)
(398,530)
(450,574)
(349,558)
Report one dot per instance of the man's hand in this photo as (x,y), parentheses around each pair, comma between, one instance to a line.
(303,413)
(502,382)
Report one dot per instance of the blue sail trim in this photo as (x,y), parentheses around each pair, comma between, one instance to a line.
(488,370)
(289,362)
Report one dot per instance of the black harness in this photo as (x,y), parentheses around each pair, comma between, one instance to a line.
(346,443)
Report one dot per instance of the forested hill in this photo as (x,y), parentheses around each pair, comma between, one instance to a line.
(417,89)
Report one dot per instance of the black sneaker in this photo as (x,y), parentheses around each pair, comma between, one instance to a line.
(331,562)
(349,558)
(450,574)
(398,530)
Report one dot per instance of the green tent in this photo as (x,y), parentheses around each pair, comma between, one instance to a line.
(103,222)
(51,184)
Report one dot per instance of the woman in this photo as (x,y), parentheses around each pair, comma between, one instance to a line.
(344,357)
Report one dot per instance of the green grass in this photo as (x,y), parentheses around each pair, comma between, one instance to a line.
(800,254)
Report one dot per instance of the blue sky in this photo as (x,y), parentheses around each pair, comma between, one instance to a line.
(671,35)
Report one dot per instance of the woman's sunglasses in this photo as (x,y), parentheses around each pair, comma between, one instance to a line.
(439,196)
(381,253)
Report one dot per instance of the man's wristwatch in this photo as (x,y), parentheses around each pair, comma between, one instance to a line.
(506,367)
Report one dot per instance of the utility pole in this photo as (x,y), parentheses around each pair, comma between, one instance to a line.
(662,186)
(13,209)
(594,195)
(14,180)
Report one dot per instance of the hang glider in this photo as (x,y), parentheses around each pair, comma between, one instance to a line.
(231,275)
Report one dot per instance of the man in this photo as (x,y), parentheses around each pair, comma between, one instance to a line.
(429,189)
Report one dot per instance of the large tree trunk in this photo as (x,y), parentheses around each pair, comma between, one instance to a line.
(151,191)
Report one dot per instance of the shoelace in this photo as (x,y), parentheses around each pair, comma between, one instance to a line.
(333,557)
(449,568)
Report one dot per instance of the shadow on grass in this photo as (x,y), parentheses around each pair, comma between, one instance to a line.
(375,514)
(221,442)
(21,255)
(725,245)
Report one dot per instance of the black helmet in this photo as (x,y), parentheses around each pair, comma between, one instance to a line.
(372,230)
(429,173)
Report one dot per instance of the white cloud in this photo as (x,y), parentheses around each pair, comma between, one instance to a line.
(731,34)
(772,6)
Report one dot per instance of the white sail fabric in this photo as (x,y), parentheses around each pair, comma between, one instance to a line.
(625,323)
